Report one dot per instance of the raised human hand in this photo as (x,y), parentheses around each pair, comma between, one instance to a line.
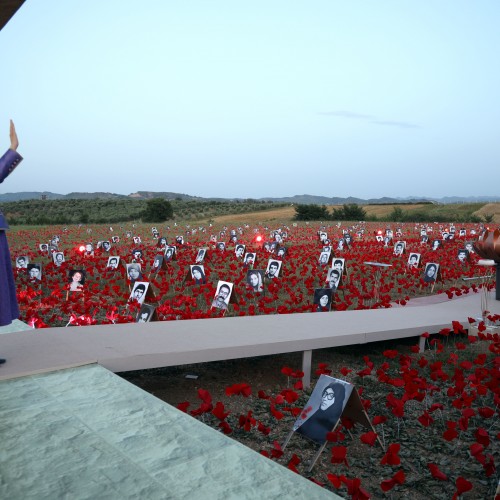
(14,141)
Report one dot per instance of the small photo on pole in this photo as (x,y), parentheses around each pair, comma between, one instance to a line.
(198,274)
(145,313)
(200,256)
(399,247)
(255,280)
(431,272)
(222,295)
(324,408)
(113,262)
(323,299)
(333,278)
(76,278)
(58,258)
(414,260)
(134,272)
(239,251)
(139,291)
(35,272)
(22,262)
(273,268)
(249,259)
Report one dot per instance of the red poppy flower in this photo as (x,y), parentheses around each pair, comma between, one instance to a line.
(436,472)
(369,438)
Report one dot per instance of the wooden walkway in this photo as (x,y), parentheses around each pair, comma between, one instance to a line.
(133,346)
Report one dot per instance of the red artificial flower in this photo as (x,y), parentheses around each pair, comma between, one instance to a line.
(398,478)
(462,486)
(436,472)
(391,457)
(339,455)
(369,438)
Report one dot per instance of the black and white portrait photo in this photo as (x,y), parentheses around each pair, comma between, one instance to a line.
(338,264)
(463,255)
(221,246)
(424,238)
(198,274)
(115,239)
(239,251)
(76,278)
(431,272)
(324,258)
(249,259)
(34,272)
(145,313)
(273,268)
(113,262)
(462,232)
(255,280)
(179,240)
(22,262)
(89,250)
(162,242)
(379,238)
(106,246)
(137,240)
(340,244)
(322,236)
(200,255)
(436,244)
(137,255)
(323,299)
(134,272)
(169,253)
(280,254)
(43,247)
(139,291)
(222,295)
(58,258)
(157,263)
(469,246)
(399,247)
(323,409)
(333,278)
(414,260)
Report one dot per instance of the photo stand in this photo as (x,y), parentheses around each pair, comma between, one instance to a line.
(355,412)
(153,316)
(149,296)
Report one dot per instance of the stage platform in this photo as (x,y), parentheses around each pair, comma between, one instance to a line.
(85,433)
(133,346)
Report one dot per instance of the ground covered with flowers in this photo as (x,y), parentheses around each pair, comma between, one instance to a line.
(436,413)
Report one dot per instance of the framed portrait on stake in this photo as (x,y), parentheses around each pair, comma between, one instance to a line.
(255,280)
(139,291)
(323,299)
(414,260)
(22,262)
(76,279)
(249,259)
(146,313)
(273,268)
(113,262)
(431,272)
(134,272)
(198,274)
(222,295)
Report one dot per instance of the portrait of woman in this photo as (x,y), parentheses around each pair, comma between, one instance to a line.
(325,407)
(323,299)
(198,274)
(9,309)
(200,255)
(254,280)
(431,272)
(76,280)
(157,263)
(134,272)
(169,253)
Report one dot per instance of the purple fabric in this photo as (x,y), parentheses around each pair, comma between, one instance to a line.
(9,310)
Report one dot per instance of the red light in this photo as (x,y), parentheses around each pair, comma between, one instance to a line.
(379,232)
(259,238)
(82,248)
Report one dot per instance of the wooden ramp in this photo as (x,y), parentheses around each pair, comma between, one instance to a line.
(135,346)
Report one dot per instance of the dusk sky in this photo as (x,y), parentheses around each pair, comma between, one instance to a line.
(254,99)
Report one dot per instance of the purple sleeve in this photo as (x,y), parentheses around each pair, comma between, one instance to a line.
(8,162)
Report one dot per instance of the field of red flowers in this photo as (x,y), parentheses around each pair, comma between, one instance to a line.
(436,413)
(105,298)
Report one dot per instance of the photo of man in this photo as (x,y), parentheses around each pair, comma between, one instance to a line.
(221,246)
(35,272)
(239,251)
(324,257)
(22,262)
(281,253)
(89,250)
(249,259)
(115,239)
(43,247)
(273,268)
(399,248)
(137,255)
(137,240)
(222,295)
(145,314)
(436,244)
(333,278)
(414,260)
(431,272)
(106,246)
(113,262)
(463,255)
(338,264)
(58,258)
(139,291)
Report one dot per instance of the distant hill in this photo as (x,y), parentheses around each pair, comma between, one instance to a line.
(302,198)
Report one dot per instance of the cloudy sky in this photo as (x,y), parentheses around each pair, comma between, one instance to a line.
(254,99)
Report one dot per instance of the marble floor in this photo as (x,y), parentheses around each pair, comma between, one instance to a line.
(85,433)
